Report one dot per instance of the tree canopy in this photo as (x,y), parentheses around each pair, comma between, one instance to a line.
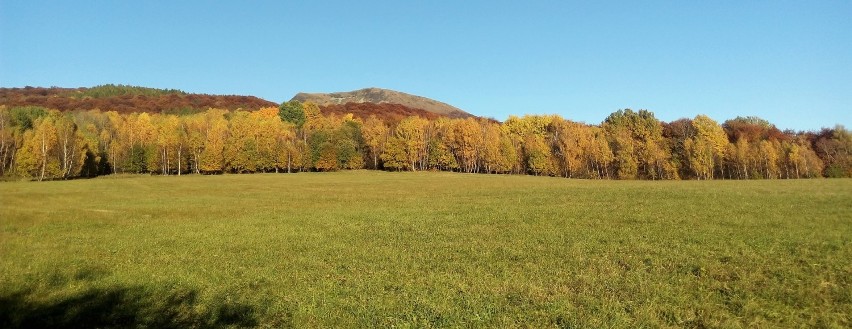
(41,143)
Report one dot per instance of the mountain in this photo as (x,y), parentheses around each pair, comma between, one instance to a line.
(126,99)
(390,106)
(389,112)
(383,96)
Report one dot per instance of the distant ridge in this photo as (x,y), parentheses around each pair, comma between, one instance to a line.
(382,96)
(126,99)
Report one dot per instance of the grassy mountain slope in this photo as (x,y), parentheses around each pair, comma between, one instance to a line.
(381,96)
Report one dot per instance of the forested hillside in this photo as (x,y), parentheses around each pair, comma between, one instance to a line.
(125,99)
(41,143)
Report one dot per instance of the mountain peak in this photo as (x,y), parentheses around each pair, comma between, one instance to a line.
(380,96)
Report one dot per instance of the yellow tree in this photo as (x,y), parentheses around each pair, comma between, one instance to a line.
(268,129)
(706,148)
(700,157)
(739,155)
(440,148)
(808,163)
(35,156)
(538,155)
(637,142)
(313,119)
(168,141)
(627,166)
(71,146)
(292,147)
(327,160)
(520,130)
(8,141)
(195,127)
(91,152)
(394,155)
(375,134)
(571,141)
(142,140)
(241,150)
(215,138)
(600,155)
(467,138)
(411,131)
(768,156)
(116,139)
(492,140)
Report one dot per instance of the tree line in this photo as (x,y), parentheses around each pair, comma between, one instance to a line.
(43,144)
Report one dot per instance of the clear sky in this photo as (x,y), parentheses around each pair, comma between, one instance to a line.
(789,62)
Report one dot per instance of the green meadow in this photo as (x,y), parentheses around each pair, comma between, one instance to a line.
(379,249)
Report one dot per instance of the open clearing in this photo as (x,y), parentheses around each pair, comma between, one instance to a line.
(367,249)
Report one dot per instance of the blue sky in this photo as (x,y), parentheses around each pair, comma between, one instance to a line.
(789,62)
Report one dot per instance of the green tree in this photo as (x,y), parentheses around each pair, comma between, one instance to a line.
(350,143)
(292,112)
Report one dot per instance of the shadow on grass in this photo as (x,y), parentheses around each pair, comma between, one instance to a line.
(121,307)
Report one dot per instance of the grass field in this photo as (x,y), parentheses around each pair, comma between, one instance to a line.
(377,249)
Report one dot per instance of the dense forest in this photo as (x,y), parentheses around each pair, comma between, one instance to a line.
(41,144)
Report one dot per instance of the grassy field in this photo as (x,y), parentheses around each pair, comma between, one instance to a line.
(377,249)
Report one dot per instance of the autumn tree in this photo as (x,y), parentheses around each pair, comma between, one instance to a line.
(72,147)
(350,144)
(600,156)
(395,154)
(637,142)
(467,141)
(706,147)
(36,156)
(768,153)
(757,152)
(834,147)
(411,133)
(538,155)
(496,148)
(8,145)
(241,149)
(141,140)
(441,155)
(676,133)
(169,142)
(267,134)
(212,158)
(93,152)
(799,159)
(375,134)
(521,131)
(16,122)
(195,128)
(572,141)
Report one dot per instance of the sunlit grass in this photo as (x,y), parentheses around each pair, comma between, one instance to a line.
(366,249)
